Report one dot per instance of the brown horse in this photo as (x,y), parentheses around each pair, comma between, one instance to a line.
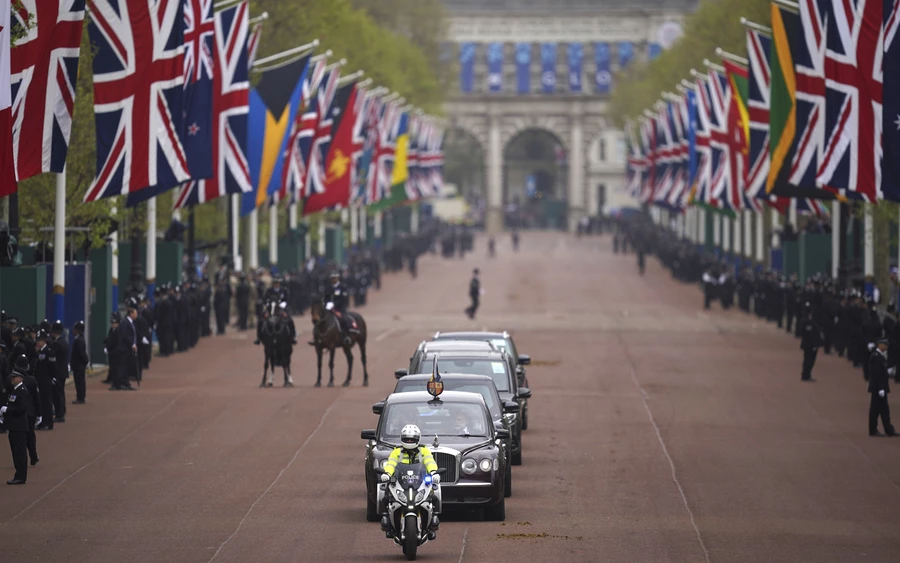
(327,334)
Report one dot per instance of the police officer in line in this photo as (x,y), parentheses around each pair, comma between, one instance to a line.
(222,304)
(474,294)
(60,347)
(30,382)
(879,388)
(111,348)
(127,349)
(147,323)
(809,343)
(15,412)
(80,361)
(205,297)
(45,372)
(242,300)
(277,292)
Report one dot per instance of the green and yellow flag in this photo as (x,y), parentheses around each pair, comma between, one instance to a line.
(782,94)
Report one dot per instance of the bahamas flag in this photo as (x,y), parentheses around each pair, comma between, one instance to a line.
(274,104)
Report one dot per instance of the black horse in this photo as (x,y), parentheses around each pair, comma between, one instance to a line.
(275,335)
(328,335)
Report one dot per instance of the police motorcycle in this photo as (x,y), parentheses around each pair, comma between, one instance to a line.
(413,501)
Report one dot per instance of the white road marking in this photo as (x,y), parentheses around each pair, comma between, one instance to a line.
(277,478)
(464,543)
(101,454)
(385,334)
(671,463)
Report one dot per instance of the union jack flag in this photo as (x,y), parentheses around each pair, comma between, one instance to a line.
(7,164)
(648,144)
(413,188)
(360,137)
(138,80)
(809,66)
(44,69)
(634,166)
(726,186)
(299,145)
(367,164)
(706,158)
(853,80)
(759,47)
(680,117)
(664,153)
(435,159)
(317,172)
(379,180)
(230,109)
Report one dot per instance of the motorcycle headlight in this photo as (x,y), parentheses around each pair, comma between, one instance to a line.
(485,465)
(469,466)
(401,496)
(420,497)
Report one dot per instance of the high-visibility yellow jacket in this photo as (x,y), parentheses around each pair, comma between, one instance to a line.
(400,455)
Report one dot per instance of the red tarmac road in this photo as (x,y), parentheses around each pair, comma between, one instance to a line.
(658,433)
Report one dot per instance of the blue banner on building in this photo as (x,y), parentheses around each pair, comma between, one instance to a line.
(603,76)
(467,67)
(523,68)
(626,53)
(495,67)
(576,56)
(548,68)
(655,50)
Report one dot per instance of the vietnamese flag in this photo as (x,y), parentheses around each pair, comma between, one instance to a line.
(346,147)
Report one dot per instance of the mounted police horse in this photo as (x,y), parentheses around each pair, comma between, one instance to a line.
(275,336)
(328,335)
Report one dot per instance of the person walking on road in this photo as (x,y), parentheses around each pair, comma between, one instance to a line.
(809,343)
(474,294)
(15,414)
(879,387)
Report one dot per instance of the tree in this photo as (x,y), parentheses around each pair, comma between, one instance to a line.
(716,23)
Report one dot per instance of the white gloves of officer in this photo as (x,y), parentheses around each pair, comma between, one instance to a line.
(105,351)
(38,421)
(385,477)
(144,340)
(3,410)
(881,393)
(436,479)
(329,306)
(871,346)
(892,371)
(283,304)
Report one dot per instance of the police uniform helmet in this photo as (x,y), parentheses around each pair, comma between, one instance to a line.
(21,364)
(42,335)
(116,317)
(45,325)
(2,316)
(19,331)
(57,327)
(882,341)
(12,320)
(78,326)
(335,274)
(131,303)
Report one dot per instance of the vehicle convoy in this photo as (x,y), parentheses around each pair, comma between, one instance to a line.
(460,433)
(488,362)
(501,412)
(502,341)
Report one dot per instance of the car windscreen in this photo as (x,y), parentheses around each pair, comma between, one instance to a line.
(495,369)
(454,385)
(434,419)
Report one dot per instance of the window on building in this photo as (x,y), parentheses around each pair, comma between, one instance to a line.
(602,150)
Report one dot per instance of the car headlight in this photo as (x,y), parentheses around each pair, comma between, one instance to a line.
(485,465)
(469,466)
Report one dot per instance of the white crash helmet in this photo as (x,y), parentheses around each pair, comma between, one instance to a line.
(410,436)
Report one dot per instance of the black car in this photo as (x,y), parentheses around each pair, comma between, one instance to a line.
(490,363)
(472,458)
(467,383)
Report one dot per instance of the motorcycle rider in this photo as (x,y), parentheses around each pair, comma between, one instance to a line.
(410,453)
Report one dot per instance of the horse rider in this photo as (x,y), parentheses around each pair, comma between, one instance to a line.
(410,453)
(280,311)
(277,292)
(336,298)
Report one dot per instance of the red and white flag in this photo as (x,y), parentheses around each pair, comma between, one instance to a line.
(7,168)
(44,69)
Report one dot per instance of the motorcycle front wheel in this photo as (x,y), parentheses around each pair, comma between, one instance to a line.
(411,542)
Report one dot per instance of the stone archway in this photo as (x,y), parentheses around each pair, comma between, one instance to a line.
(535,179)
(464,163)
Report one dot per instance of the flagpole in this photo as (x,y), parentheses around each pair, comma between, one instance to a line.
(284,54)
(59,249)
(363,224)
(151,248)
(835,239)
(273,231)
(760,238)
(793,6)
(259,19)
(354,225)
(732,57)
(713,66)
(235,230)
(350,78)
(253,258)
(114,264)
(292,216)
(321,243)
(756,27)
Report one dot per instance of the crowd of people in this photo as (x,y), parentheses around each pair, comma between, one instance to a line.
(36,360)
(821,312)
